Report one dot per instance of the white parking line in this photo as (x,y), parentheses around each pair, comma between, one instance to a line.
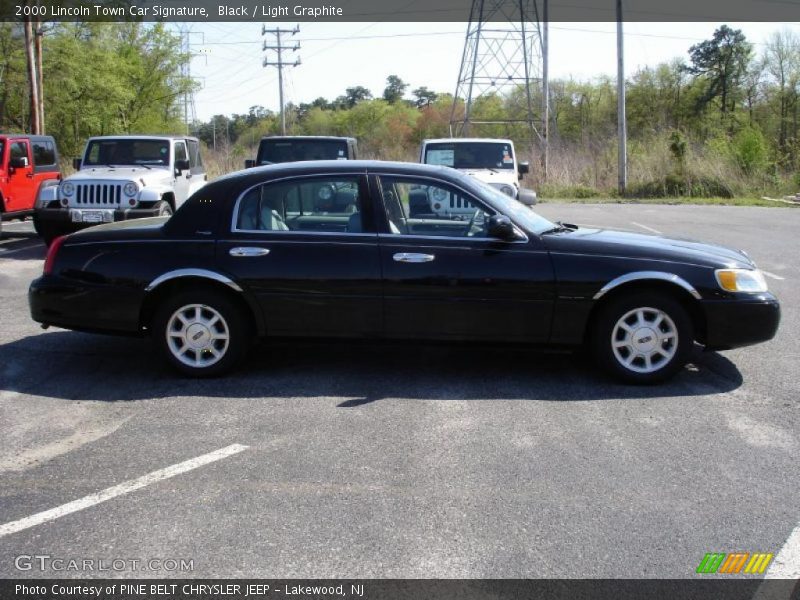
(645,227)
(772,275)
(786,564)
(118,490)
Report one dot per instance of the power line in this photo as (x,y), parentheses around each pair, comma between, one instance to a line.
(280,63)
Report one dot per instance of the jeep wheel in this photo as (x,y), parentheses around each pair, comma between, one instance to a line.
(201,333)
(164,209)
(47,231)
(642,338)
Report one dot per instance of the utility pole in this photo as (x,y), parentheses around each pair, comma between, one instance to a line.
(279,63)
(622,127)
(33,77)
(546,87)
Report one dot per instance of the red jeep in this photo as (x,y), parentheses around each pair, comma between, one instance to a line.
(27,163)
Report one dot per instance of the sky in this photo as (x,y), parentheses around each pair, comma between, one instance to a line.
(228,57)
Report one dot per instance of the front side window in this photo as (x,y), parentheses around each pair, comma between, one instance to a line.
(312,205)
(419,207)
(19,150)
(180,151)
(119,152)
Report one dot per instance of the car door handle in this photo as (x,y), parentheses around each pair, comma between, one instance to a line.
(410,257)
(248,251)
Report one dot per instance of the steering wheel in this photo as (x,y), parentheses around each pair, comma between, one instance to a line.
(468,231)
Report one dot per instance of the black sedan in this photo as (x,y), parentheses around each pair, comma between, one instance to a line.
(358,249)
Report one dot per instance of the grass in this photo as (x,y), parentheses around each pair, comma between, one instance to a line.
(740,201)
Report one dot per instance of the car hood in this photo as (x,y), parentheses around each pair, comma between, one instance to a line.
(639,245)
(142,175)
(499,176)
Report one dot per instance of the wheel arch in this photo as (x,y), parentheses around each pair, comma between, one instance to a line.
(169,198)
(672,285)
(190,279)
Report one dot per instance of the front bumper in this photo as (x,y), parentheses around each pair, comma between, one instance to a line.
(732,323)
(71,219)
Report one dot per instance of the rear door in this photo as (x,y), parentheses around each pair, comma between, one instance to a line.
(21,191)
(307,248)
(445,278)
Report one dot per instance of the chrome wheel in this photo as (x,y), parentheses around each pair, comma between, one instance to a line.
(197,335)
(644,340)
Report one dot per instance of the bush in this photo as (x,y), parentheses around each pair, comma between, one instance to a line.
(674,186)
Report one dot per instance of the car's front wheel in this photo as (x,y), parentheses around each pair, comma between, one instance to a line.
(643,338)
(201,333)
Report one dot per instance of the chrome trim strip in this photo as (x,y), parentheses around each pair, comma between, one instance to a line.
(645,275)
(202,273)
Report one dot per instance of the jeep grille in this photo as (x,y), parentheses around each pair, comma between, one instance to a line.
(98,193)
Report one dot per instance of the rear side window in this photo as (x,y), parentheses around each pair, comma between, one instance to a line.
(44,153)
(313,204)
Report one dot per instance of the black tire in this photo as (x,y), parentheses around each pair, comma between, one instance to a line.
(47,231)
(164,209)
(630,342)
(201,361)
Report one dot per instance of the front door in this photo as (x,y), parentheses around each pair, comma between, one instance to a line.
(308,250)
(445,278)
(181,175)
(21,191)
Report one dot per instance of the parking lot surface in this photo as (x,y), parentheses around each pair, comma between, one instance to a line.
(398,460)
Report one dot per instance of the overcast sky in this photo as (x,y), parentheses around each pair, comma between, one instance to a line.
(228,61)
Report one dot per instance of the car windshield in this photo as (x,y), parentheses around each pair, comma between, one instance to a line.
(127,152)
(470,155)
(520,213)
(281,151)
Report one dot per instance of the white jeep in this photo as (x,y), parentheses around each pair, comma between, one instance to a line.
(120,178)
(493,161)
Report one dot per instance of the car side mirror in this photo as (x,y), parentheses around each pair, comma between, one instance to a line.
(523,168)
(76,163)
(182,165)
(501,227)
(249,163)
(18,162)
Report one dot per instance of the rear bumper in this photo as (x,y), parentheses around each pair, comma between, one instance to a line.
(81,306)
(733,323)
(62,218)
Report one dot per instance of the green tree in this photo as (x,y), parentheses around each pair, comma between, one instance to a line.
(722,63)
(394,90)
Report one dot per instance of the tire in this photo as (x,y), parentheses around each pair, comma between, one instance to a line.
(164,209)
(642,338)
(47,231)
(182,327)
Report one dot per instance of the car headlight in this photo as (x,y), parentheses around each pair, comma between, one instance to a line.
(131,189)
(67,188)
(741,280)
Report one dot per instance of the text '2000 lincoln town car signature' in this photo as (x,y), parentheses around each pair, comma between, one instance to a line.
(355,249)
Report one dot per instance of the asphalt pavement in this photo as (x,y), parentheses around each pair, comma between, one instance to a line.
(396,460)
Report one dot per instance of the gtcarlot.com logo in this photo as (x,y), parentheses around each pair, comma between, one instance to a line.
(735,563)
(45,562)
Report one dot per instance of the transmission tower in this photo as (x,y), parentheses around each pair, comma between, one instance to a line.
(189,109)
(503,52)
(279,63)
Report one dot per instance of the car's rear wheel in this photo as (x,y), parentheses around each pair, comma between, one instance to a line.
(201,333)
(643,338)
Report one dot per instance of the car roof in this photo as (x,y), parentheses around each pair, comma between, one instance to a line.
(306,137)
(458,140)
(142,137)
(339,166)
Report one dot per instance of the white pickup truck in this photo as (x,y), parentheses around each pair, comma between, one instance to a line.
(493,161)
(120,178)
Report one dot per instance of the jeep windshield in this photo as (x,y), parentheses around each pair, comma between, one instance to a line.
(470,155)
(281,151)
(127,152)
